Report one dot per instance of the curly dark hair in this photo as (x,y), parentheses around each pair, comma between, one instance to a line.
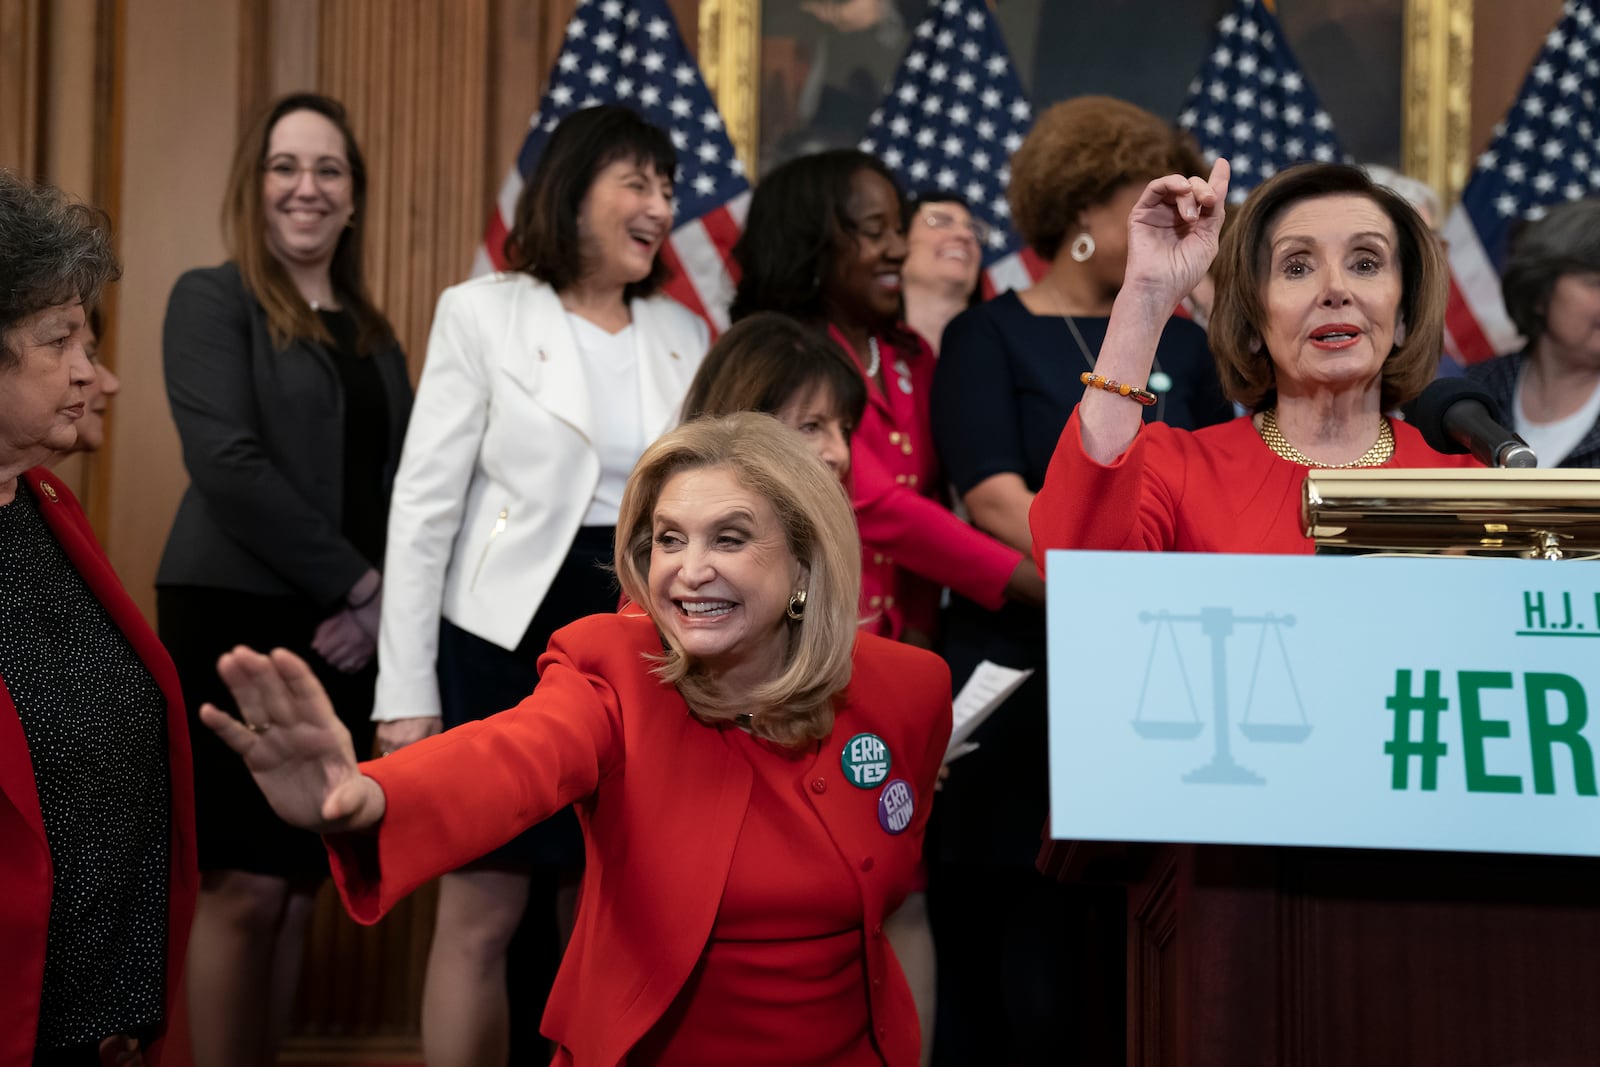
(57,251)
(796,223)
(1566,241)
(543,240)
(1079,153)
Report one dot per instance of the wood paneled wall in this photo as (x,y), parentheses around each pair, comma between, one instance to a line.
(411,73)
(22,43)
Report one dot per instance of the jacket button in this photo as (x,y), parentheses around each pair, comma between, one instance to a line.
(875,602)
(819,785)
(906,448)
(912,480)
(900,479)
(888,602)
(877,557)
(877,930)
(866,864)
(883,1032)
(877,983)
(895,436)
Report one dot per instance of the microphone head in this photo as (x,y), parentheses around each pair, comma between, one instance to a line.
(1427,411)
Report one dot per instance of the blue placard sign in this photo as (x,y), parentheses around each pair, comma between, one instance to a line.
(1438,703)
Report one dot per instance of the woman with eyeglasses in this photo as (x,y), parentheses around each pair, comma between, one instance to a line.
(944,258)
(291,397)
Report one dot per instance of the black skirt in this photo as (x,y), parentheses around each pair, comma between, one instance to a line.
(478,678)
(235,827)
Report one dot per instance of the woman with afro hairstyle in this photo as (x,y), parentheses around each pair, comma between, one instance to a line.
(1008,379)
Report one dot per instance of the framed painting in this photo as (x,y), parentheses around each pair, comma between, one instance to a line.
(793,76)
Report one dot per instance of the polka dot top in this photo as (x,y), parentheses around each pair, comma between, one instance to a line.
(95,723)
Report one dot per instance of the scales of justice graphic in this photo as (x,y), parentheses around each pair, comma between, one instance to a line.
(1218,625)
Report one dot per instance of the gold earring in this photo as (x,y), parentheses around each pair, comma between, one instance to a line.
(797,606)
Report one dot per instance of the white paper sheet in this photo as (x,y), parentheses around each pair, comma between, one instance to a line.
(985,691)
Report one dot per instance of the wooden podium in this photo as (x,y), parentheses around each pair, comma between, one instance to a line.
(1243,956)
(1319,957)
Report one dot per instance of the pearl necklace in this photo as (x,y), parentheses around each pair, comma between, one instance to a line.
(876,361)
(1380,452)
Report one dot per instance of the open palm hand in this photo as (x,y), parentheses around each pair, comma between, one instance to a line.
(294,745)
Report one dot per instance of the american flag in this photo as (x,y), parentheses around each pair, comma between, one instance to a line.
(631,53)
(1544,153)
(950,120)
(1252,103)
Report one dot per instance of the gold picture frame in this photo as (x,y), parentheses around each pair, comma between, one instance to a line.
(1436,120)
(1436,95)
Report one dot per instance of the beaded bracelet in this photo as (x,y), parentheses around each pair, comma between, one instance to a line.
(1132,392)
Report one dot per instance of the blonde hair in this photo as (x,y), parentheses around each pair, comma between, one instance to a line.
(770,459)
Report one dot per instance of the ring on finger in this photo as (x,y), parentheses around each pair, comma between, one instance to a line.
(257,728)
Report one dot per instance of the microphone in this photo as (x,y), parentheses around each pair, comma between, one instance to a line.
(1457,416)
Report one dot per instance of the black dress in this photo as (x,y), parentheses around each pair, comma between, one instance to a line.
(96,728)
(1021,976)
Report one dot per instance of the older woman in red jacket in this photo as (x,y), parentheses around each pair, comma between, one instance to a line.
(752,774)
(96,801)
(824,241)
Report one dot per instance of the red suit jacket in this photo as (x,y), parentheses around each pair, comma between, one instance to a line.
(912,544)
(1220,489)
(25,866)
(661,800)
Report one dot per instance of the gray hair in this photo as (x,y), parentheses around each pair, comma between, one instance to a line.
(1565,241)
(53,250)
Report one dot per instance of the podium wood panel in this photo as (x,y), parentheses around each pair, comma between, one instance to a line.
(1324,958)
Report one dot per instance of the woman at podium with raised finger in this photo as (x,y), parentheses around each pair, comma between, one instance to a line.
(1330,304)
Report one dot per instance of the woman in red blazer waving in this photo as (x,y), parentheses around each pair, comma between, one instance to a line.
(752,774)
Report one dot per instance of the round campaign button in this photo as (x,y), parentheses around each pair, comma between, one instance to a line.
(895,805)
(865,761)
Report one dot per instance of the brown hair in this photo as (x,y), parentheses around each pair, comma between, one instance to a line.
(1079,154)
(244,228)
(543,241)
(770,459)
(765,360)
(1238,317)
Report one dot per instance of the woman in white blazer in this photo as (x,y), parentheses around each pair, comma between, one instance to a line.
(542,387)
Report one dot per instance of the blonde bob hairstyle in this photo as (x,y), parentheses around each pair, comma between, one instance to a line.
(768,458)
(1239,315)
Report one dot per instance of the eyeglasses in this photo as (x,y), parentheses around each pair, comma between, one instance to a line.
(945,220)
(326,173)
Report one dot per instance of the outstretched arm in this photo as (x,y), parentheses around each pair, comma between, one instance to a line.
(1172,239)
(294,745)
